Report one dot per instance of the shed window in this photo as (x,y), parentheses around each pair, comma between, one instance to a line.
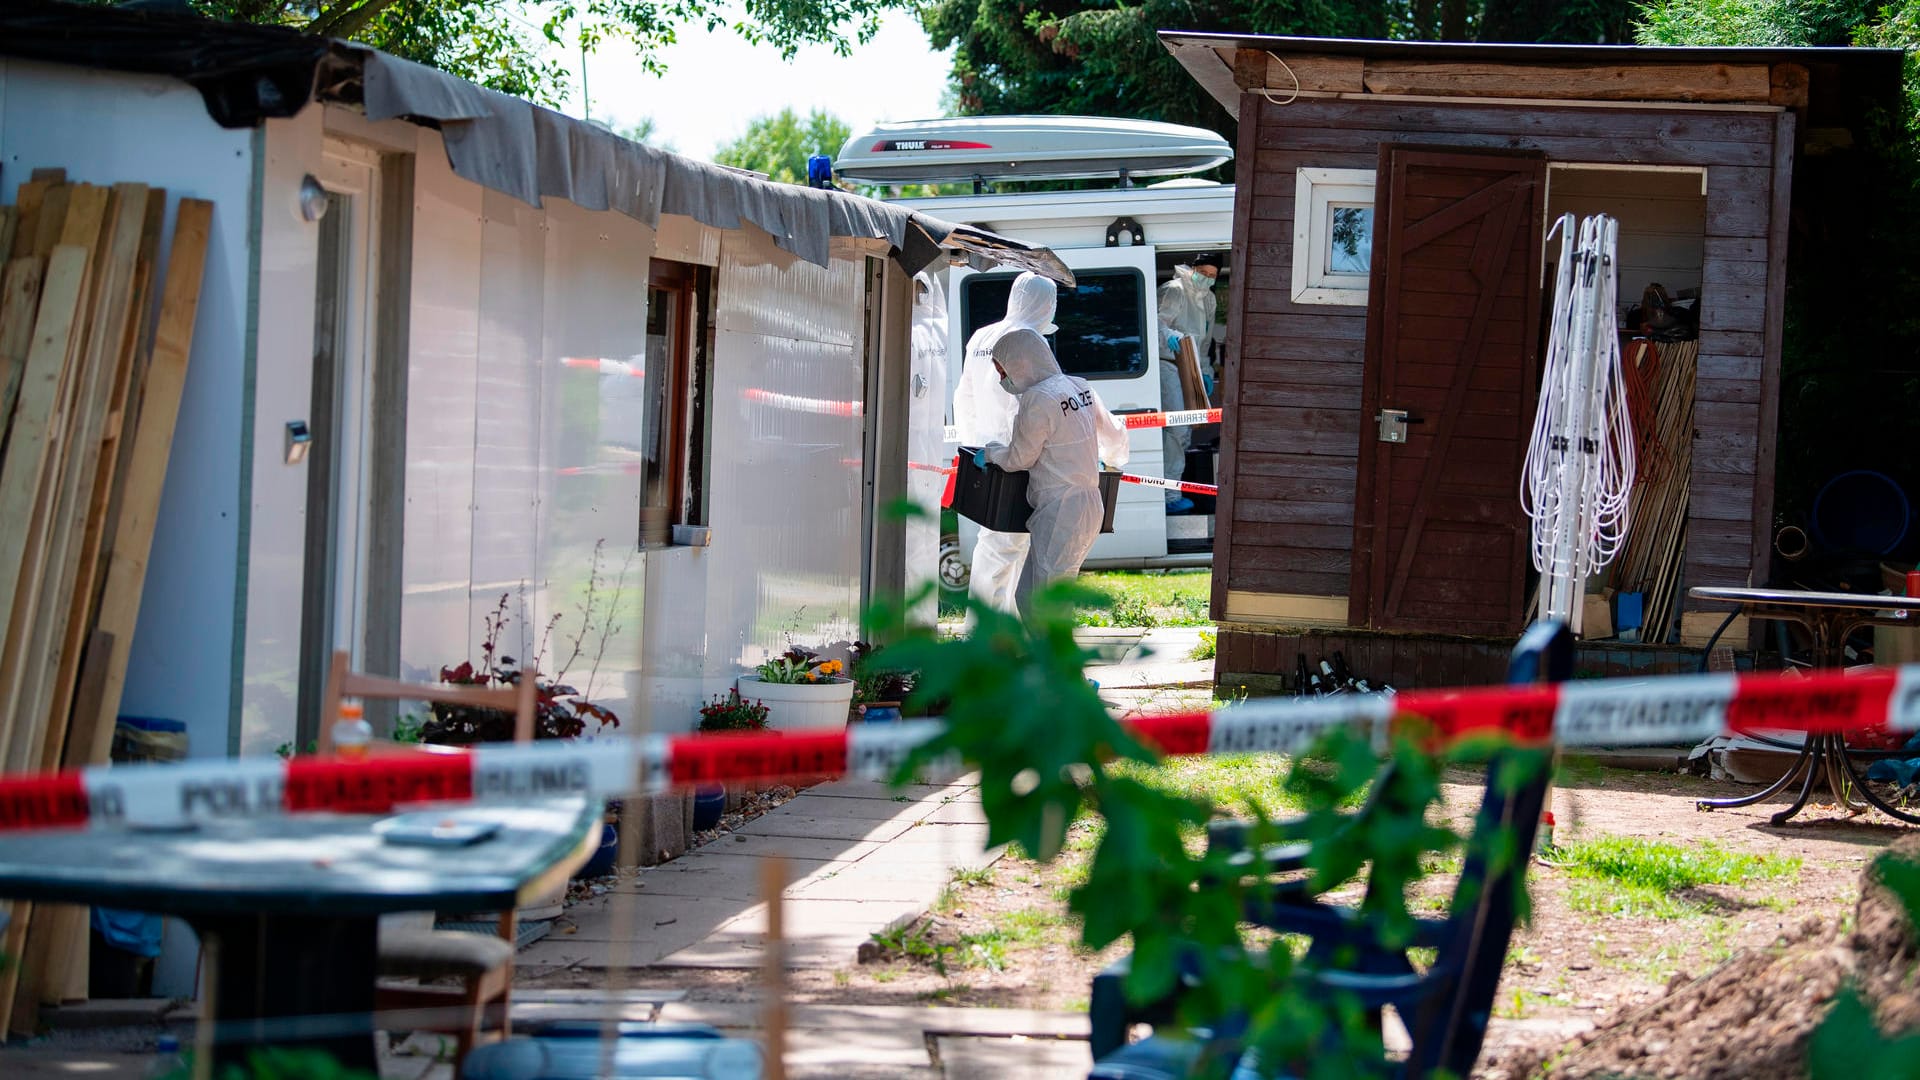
(1332,235)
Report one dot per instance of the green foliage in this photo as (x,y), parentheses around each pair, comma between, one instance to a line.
(509,46)
(1848,1043)
(1207,647)
(1103,58)
(779,145)
(272,1063)
(1019,709)
(733,713)
(1147,598)
(1625,875)
(1750,22)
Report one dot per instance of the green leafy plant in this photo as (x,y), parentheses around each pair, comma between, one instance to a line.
(874,681)
(733,713)
(1019,708)
(274,1063)
(798,665)
(1848,1043)
(1206,648)
(562,711)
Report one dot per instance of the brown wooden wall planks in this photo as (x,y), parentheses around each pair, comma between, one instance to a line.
(1297,369)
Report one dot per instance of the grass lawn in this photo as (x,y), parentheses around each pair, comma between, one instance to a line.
(1149,598)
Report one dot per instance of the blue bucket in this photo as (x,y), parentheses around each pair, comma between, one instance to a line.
(1861,511)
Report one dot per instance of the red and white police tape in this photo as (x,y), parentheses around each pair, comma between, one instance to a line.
(1176,418)
(1170,485)
(1611,712)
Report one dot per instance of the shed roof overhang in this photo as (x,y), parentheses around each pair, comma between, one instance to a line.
(1834,87)
(247,74)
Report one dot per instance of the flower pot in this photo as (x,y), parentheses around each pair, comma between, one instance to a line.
(600,863)
(801,706)
(708,804)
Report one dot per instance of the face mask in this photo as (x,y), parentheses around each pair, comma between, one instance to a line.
(1202,280)
(1007,385)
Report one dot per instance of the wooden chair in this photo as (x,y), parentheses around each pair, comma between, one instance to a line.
(482,963)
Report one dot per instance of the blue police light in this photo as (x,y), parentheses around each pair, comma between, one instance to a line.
(820,171)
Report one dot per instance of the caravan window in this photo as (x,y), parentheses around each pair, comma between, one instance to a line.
(1102,319)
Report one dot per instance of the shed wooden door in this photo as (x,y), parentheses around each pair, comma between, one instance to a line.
(1453,323)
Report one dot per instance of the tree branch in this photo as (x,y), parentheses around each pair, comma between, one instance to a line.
(346,18)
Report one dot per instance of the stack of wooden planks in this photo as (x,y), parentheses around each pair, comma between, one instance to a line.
(1655,550)
(92,381)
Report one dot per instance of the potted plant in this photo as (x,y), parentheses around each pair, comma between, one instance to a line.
(878,691)
(801,690)
(730,714)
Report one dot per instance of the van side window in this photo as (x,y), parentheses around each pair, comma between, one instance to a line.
(1102,320)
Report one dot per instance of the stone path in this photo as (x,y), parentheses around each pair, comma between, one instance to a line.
(860,857)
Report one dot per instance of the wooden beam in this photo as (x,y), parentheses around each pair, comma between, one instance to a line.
(1789,84)
(1282,75)
(146,473)
(47,361)
(113,335)
(19,296)
(1285,609)
(1593,82)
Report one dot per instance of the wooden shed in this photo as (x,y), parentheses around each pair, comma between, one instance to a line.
(1393,201)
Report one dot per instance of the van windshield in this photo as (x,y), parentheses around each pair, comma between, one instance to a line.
(1102,319)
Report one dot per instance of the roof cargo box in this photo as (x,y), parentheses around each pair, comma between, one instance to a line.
(1026,148)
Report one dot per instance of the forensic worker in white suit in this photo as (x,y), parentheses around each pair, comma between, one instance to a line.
(983,413)
(1187,307)
(1062,432)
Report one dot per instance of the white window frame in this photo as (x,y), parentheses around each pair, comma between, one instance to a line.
(1315,191)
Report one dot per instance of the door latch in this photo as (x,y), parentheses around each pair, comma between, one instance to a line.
(1393,425)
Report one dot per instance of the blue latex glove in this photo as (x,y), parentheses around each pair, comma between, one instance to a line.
(1206,378)
(980,457)
(1173,341)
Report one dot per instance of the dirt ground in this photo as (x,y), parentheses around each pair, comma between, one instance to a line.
(1003,938)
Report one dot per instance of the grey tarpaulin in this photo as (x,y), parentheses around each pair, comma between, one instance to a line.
(248,74)
(531,153)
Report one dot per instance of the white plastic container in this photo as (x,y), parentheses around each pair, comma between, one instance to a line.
(800,706)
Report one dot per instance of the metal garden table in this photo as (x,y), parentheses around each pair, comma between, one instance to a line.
(291,905)
(1830,618)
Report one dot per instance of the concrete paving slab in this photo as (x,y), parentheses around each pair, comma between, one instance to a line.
(719,877)
(990,1057)
(871,789)
(795,847)
(802,822)
(961,812)
(864,809)
(820,933)
(595,919)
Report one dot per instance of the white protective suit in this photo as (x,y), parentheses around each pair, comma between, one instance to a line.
(982,414)
(1060,436)
(1187,307)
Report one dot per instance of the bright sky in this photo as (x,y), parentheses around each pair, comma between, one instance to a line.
(717,83)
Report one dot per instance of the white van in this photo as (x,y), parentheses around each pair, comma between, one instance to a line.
(1121,243)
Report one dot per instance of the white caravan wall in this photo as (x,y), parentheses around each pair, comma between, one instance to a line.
(509,484)
(156,131)
(276,528)
(785,495)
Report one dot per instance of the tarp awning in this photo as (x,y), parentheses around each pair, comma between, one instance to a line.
(247,74)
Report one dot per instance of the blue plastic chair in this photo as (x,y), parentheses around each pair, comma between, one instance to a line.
(1445,1008)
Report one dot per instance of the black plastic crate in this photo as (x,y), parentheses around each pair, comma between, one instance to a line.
(996,499)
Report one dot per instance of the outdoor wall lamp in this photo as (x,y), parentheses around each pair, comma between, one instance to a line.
(313,199)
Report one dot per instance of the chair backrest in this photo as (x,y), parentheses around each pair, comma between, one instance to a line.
(342,683)
(1449,1026)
